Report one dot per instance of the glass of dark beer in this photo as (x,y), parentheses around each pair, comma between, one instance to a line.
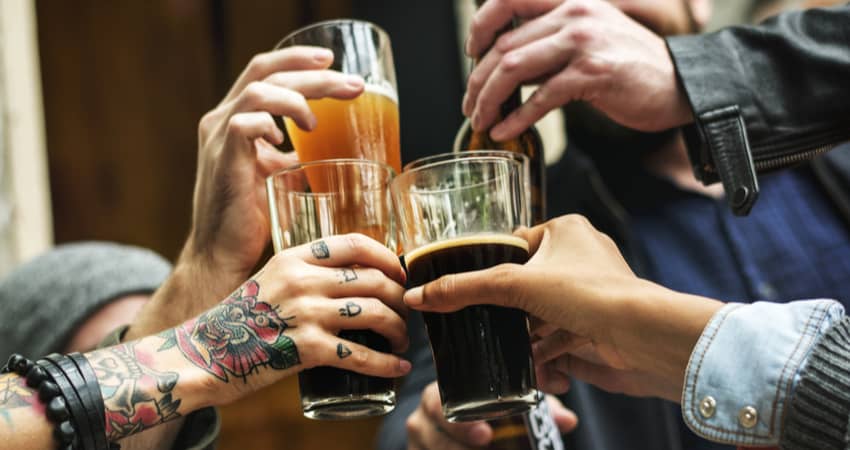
(457,214)
(325,198)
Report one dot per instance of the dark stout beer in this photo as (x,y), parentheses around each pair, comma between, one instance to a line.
(331,383)
(482,353)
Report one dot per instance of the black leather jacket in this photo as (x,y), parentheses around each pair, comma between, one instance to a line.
(765,97)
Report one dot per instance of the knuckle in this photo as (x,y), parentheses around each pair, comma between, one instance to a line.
(577,9)
(504,42)
(236,124)
(355,242)
(259,63)
(580,35)
(361,358)
(445,286)
(253,92)
(512,62)
(475,81)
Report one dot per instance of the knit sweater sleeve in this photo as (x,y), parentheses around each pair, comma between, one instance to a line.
(819,415)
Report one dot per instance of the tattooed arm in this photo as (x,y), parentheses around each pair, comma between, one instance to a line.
(285,319)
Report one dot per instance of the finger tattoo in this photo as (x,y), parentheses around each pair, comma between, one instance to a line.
(351,309)
(320,250)
(347,274)
(342,351)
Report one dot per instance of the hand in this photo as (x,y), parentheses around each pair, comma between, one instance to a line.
(620,332)
(427,428)
(230,221)
(576,50)
(288,316)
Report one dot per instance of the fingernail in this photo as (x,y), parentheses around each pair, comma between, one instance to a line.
(466,48)
(323,55)
(404,365)
(354,81)
(476,122)
(465,104)
(311,122)
(413,297)
(480,434)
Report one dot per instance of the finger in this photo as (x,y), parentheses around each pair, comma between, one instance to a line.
(248,126)
(494,286)
(425,435)
(344,354)
(495,15)
(548,55)
(365,314)
(315,84)
(549,379)
(352,250)
(474,434)
(529,32)
(290,58)
(534,236)
(363,282)
(271,160)
(261,96)
(562,88)
(565,419)
(556,344)
(540,328)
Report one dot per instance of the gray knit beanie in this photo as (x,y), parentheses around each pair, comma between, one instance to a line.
(43,301)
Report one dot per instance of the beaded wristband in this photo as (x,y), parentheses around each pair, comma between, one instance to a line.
(49,393)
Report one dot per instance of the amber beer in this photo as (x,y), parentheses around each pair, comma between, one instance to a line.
(480,352)
(366,127)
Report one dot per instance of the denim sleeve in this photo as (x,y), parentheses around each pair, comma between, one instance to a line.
(745,366)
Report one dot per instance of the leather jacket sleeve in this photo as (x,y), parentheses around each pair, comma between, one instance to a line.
(765,97)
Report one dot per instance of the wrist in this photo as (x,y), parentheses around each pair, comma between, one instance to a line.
(195,285)
(664,326)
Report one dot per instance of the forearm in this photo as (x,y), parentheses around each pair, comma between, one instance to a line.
(142,385)
(196,277)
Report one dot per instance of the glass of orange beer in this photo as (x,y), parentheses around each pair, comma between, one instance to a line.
(313,200)
(366,127)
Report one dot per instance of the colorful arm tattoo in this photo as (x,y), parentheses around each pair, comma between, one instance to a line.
(136,396)
(14,393)
(237,337)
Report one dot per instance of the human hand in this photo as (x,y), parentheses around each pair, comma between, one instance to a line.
(428,429)
(230,226)
(621,332)
(576,50)
(230,221)
(288,316)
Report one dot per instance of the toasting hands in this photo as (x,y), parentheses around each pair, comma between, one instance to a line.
(605,325)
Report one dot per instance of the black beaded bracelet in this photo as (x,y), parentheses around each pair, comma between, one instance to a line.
(49,393)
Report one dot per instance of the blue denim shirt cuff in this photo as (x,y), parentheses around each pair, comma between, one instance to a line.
(745,366)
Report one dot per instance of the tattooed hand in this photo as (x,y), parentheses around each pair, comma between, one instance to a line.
(290,314)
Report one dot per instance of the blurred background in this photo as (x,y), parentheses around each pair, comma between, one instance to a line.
(100,104)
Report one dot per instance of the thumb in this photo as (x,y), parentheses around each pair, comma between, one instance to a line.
(494,286)
(565,419)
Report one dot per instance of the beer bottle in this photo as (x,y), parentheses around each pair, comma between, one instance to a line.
(535,430)
(528,143)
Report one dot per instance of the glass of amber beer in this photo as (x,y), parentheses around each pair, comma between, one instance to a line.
(325,198)
(366,127)
(456,214)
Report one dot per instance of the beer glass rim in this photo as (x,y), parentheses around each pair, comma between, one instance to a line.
(463,154)
(386,168)
(403,178)
(330,23)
